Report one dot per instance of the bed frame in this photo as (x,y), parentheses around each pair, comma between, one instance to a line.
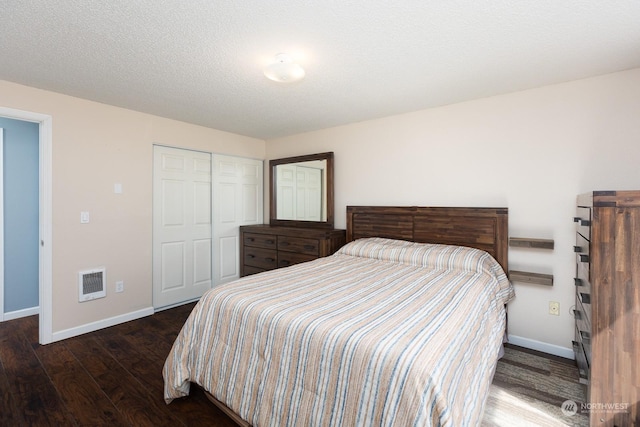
(482,228)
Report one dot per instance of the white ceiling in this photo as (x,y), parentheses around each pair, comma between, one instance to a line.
(201,61)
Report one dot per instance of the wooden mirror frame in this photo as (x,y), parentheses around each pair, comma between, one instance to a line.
(273,220)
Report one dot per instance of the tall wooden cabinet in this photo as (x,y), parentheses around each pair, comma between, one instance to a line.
(607,343)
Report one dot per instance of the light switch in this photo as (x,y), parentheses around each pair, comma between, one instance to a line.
(84,217)
(117,188)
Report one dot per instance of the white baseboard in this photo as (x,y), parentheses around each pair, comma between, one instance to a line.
(21,313)
(101,324)
(556,350)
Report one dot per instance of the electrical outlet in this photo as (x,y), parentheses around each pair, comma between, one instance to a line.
(120,286)
(554,308)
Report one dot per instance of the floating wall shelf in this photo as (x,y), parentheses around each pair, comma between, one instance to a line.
(521,242)
(528,277)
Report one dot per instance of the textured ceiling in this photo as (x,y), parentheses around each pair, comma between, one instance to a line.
(201,61)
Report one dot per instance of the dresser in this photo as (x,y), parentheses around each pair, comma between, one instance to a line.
(266,247)
(607,335)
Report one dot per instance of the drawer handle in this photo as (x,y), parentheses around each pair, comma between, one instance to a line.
(585,298)
(309,247)
(251,239)
(285,262)
(284,243)
(577,281)
(577,249)
(586,336)
(271,242)
(577,314)
(584,258)
(269,259)
(583,222)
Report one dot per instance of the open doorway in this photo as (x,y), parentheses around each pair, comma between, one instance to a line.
(45,282)
(19,222)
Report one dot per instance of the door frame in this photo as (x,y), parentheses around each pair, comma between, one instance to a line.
(45,256)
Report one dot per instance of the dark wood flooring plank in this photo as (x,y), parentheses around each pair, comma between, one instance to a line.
(142,342)
(166,325)
(145,366)
(8,412)
(83,398)
(565,371)
(28,326)
(138,405)
(197,410)
(36,399)
(151,338)
(137,350)
(180,313)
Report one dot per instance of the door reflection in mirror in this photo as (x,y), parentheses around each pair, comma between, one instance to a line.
(300,191)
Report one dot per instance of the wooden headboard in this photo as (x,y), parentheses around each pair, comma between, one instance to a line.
(482,228)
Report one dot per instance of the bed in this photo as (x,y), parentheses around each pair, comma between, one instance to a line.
(400,327)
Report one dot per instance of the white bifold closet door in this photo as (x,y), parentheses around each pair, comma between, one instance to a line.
(199,201)
(237,200)
(182,239)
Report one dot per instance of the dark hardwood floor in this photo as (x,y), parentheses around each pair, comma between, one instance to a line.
(110,377)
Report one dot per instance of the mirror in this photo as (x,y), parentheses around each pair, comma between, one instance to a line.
(301,192)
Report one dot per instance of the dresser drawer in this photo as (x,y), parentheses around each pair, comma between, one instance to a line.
(286,259)
(261,258)
(266,247)
(583,266)
(583,222)
(259,240)
(299,245)
(583,257)
(584,338)
(581,317)
(583,269)
(581,248)
(582,313)
(249,269)
(582,284)
(583,302)
(581,360)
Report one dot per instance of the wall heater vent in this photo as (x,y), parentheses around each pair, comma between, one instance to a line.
(91,284)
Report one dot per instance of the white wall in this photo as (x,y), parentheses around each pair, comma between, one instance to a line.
(531,151)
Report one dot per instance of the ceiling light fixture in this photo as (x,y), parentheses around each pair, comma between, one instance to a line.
(284,70)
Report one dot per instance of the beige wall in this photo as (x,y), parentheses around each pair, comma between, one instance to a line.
(531,151)
(94,147)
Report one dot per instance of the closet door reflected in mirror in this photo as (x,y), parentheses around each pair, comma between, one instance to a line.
(302,191)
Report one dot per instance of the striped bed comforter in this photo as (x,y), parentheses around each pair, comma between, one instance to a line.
(382,333)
